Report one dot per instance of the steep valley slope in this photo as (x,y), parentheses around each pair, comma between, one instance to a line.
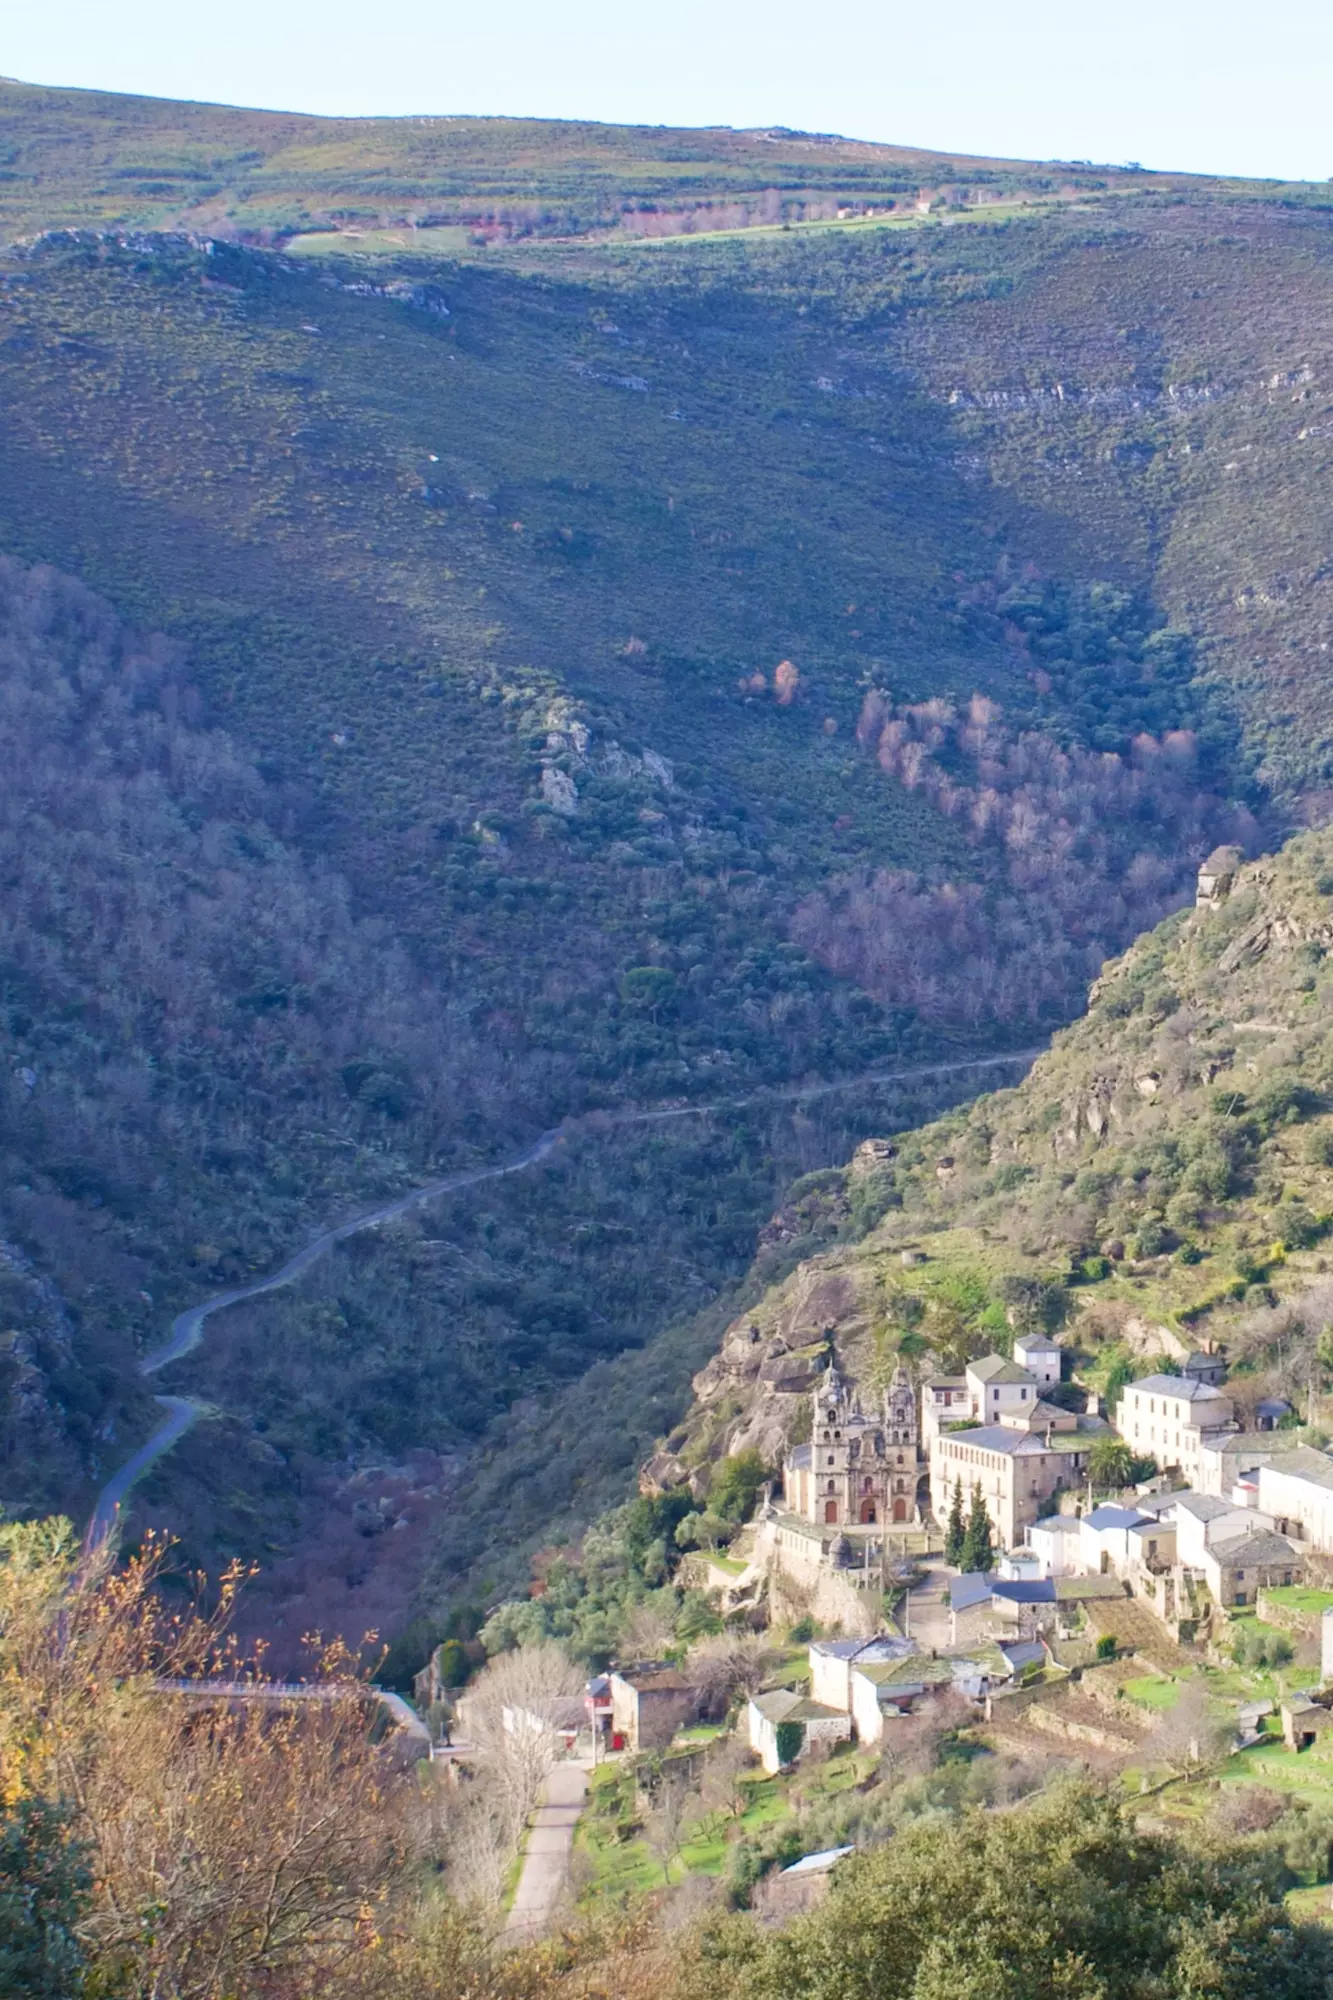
(1161,1179)
(472,691)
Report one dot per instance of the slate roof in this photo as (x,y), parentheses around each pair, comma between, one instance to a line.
(1022,1653)
(1182,1387)
(800,1457)
(994,1368)
(965,1591)
(1020,1444)
(1203,1506)
(653,1677)
(1058,1524)
(818,1864)
(884,1647)
(786,1705)
(895,1675)
(1258,1546)
(1037,1590)
(1076,1589)
(1306,1463)
(1113,1517)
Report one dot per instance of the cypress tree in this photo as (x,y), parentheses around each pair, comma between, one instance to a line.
(954,1532)
(978,1552)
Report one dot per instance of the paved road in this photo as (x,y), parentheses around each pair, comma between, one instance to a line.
(187,1329)
(545,1877)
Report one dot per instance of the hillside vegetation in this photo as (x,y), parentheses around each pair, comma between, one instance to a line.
(584,675)
(1166,1167)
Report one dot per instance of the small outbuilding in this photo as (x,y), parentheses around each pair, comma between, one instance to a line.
(783,1725)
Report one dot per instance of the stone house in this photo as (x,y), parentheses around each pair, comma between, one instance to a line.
(791,1892)
(1238,1568)
(980,1607)
(1200,1520)
(650,1702)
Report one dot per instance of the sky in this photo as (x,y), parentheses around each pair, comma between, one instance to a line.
(1207,86)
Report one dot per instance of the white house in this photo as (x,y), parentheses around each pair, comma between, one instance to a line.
(1055,1541)
(1170,1418)
(1297,1491)
(831,1662)
(1040,1356)
(997,1387)
(1105,1546)
(945,1399)
(886,1688)
(767,1713)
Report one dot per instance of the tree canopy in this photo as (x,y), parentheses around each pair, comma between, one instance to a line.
(1061,1899)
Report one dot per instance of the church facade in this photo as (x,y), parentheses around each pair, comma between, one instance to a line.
(858,1470)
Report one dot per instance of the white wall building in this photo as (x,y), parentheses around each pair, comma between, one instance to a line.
(1055,1543)
(1168,1418)
(1296,1490)
(1040,1356)
(817,1723)
(998,1388)
(832,1660)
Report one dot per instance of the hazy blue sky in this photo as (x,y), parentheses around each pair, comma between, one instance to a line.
(1208,85)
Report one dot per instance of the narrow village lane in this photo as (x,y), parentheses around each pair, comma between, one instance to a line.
(545,1877)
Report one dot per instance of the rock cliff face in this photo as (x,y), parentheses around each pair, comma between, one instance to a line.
(1161,1180)
(752,1393)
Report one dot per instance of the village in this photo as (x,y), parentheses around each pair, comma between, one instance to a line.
(943,1559)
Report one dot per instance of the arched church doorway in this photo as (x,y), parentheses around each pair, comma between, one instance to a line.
(830,1510)
(867,1512)
(900,1509)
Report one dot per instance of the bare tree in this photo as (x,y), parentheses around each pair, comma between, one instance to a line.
(725,1790)
(675,1808)
(1190,1736)
(724,1665)
(509,1723)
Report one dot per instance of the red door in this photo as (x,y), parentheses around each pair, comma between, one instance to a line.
(830,1510)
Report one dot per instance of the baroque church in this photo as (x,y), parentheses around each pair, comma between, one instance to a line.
(857,1470)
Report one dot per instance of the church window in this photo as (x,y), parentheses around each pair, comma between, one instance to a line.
(830,1458)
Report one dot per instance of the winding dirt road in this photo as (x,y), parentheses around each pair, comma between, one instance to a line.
(187,1329)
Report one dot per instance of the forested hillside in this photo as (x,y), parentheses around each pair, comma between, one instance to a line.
(585,676)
